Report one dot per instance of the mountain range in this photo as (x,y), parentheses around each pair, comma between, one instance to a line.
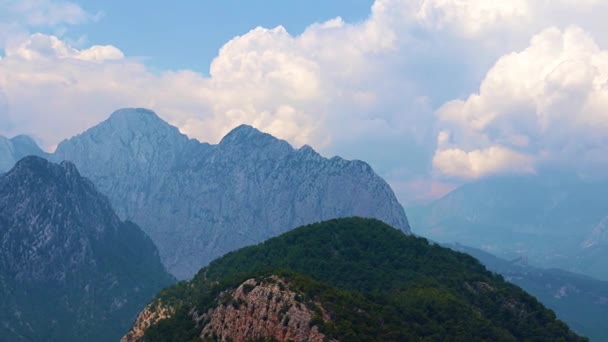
(198,201)
(70,269)
(347,279)
(550,220)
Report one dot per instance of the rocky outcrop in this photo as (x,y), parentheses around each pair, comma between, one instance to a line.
(262,309)
(199,201)
(150,315)
(70,269)
(259,309)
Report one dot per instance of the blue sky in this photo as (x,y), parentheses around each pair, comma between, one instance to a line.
(432,93)
(158,31)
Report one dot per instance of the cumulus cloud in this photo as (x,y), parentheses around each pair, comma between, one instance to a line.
(481,162)
(301,88)
(472,17)
(545,105)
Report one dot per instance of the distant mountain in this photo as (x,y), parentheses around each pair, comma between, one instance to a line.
(347,279)
(199,201)
(12,150)
(70,270)
(580,301)
(554,221)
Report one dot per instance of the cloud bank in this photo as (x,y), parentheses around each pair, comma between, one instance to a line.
(428,91)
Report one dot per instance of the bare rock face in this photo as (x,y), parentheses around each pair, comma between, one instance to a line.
(150,315)
(265,309)
(258,309)
(199,201)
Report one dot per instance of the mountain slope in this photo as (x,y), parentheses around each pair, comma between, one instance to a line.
(12,150)
(555,221)
(199,201)
(580,301)
(70,270)
(361,280)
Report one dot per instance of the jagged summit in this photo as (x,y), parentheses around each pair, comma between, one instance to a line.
(130,127)
(250,136)
(38,167)
(139,121)
(136,116)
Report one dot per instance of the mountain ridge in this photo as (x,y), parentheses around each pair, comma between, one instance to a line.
(198,201)
(555,220)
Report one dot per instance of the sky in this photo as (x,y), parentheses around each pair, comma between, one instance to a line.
(431,93)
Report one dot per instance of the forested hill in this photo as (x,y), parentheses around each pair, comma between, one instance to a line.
(362,280)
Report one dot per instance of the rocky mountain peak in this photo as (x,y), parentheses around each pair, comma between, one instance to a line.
(132,140)
(245,135)
(131,128)
(135,116)
(140,125)
(248,143)
(64,251)
(34,167)
(38,195)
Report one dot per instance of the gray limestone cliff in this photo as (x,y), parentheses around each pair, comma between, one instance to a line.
(199,201)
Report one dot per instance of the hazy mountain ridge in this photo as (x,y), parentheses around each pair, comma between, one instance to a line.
(555,221)
(69,268)
(12,150)
(363,280)
(198,201)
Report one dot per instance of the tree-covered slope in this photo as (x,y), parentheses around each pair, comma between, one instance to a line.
(580,301)
(371,283)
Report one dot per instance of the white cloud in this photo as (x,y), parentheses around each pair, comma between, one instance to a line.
(301,88)
(472,17)
(39,46)
(545,105)
(481,162)
(45,12)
